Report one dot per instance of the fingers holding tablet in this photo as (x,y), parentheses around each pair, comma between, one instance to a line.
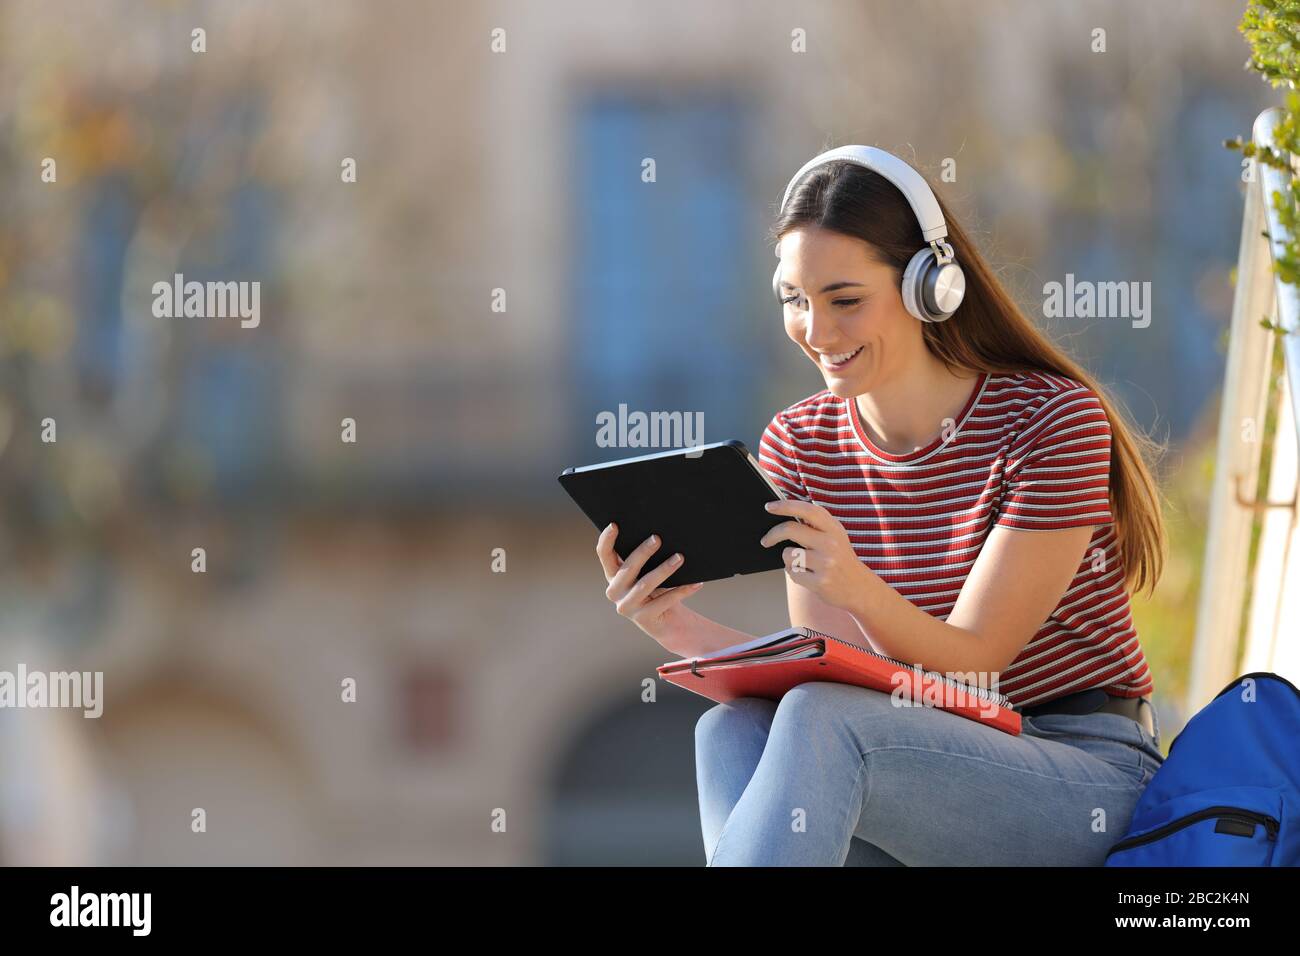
(640,591)
(609,560)
(628,572)
(642,601)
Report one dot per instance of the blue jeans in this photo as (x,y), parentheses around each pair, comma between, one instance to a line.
(837,775)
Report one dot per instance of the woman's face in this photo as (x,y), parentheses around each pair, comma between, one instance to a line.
(842,304)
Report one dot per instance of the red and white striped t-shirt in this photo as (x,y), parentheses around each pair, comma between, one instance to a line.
(1030,450)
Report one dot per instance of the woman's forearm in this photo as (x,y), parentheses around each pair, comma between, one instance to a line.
(898,628)
(889,622)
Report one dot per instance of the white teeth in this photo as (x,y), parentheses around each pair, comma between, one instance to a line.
(841,357)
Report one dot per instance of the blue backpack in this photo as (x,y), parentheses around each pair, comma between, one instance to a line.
(1228,794)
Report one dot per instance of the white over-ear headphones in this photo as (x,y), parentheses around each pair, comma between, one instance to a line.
(933,283)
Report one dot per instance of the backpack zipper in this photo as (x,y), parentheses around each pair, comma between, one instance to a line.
(1271,825)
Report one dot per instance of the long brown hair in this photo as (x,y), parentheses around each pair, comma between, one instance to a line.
(988,333)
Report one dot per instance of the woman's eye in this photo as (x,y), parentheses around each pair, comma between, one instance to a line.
(842,303)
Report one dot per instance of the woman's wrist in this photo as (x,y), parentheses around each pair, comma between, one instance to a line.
(701,636)
(865,598)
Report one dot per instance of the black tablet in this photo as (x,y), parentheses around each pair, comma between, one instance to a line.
(705,501)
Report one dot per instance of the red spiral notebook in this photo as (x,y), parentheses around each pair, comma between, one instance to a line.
(769,666)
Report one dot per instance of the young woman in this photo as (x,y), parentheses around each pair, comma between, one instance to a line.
(962,496)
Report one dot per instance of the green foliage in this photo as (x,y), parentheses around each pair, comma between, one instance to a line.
(1272,30)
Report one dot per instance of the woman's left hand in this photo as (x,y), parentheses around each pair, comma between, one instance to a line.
(824,561)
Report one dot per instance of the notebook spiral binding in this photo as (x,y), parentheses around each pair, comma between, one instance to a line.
(982,692)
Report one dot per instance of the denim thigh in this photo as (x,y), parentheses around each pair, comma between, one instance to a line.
(1116,739)
(921,786)
(941,789)
(944,790)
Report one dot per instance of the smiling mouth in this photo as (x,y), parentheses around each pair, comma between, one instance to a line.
(838,360)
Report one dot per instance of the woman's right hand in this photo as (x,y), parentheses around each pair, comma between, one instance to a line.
(657,611)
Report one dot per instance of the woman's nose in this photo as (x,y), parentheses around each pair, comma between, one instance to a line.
(820,328)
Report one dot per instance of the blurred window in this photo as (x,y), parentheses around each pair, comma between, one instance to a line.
(663,311)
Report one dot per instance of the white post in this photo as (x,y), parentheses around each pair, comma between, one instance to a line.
(1245,388)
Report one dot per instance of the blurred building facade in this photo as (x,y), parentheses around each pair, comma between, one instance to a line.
(483,175)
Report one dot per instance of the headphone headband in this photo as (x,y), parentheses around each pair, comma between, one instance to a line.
(933,284)
(909,182)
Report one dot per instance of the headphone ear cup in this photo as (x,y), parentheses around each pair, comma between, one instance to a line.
(932,292)
(913,284)
(943,288)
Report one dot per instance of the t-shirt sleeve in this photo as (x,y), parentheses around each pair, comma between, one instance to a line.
(778,457)
(1058,469)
